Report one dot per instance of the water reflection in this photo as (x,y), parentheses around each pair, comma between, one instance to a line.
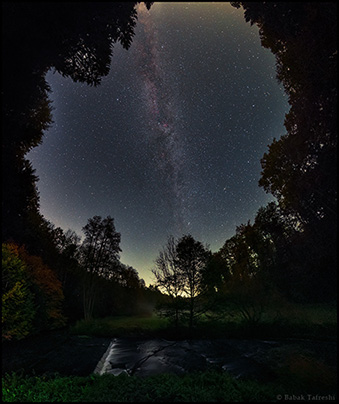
(242,358)
(149,357)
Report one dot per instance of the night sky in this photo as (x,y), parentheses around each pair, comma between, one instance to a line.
(170,143)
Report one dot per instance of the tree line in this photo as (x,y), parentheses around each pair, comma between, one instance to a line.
(300,168)
(260,266)
(290,249)
(73,39)
(87,280)
(291,246)
(77,41)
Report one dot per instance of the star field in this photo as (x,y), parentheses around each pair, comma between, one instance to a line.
(171,141)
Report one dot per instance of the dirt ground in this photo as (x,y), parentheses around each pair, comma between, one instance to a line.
(54,352)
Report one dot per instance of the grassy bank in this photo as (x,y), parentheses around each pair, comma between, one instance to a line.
(303,381)
(290,321)
(195,387)
(121,326)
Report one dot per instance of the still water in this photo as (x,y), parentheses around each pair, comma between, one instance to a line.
(242,358)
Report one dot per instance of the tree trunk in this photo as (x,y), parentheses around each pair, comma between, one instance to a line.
(176,318)
(89,294)
(191,314)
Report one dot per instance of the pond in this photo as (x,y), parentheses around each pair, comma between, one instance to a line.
(242,358)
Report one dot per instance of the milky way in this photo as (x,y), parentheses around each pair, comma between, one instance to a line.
(170,142)
(163,133)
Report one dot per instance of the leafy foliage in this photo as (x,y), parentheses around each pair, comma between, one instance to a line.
(99,256)
(291,247)
(48,292)
(169,279)
(192,258)
(179,273)
(77,41)
(300,168)
(32,295)
(18,305)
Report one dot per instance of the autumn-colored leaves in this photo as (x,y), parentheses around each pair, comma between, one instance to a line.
(31,294)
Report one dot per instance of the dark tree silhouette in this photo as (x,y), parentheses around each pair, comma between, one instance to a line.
(168,278)
(179,272)
(76,39)
(99,256)
(300,169)
(191,257)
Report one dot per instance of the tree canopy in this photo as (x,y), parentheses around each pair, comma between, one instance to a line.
(74,39)
(300,168)
(99,256)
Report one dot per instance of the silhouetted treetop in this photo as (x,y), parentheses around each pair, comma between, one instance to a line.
(300,168)
(75,38)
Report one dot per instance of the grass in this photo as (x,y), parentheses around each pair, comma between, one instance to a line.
(193,387)
(121,326)
(315,314)
(287,321)
(297,374)
(281,321)
(299,377)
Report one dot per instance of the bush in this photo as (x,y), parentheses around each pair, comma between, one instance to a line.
(48,292)
(31,294)
(18,307)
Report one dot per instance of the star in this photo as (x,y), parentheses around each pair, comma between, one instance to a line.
(170,142)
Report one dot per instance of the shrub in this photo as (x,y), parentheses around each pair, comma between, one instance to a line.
(18,307)
(48,292)
(31,294)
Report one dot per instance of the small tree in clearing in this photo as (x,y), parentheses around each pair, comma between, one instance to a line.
(191,259)
(169,278)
